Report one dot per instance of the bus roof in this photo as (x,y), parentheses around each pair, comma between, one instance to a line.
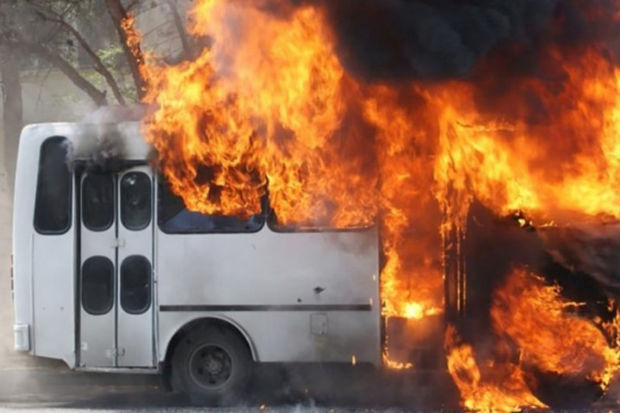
(92,140)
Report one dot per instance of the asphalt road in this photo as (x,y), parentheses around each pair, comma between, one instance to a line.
(53,386)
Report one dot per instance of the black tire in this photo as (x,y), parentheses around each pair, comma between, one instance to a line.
(212,365)
(563,392)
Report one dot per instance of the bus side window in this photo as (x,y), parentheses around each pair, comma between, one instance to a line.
(52,211)
(173,217)
(98,201)
(136,284)
(136,200)
(97,285)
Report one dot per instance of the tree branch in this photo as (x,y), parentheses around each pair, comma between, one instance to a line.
(132,5)
(65,67)
(99,66)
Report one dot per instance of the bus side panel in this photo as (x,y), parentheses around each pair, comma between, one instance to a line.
(295,336)
(54,292)
(23,233)
(43,265)
(301,297)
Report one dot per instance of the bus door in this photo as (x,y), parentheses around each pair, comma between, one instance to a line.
(116,277)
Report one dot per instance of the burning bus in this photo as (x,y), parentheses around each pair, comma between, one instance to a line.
(338,181)
(113,273)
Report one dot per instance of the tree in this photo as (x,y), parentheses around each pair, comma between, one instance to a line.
(47,28)
(58,32)
(43,28)
(13,110)
(39,28)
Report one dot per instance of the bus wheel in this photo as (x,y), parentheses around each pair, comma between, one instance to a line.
(212,366)
(563,392)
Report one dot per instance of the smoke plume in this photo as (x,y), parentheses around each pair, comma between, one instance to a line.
(404,39)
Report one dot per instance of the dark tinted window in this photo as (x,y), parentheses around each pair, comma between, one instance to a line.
(52,212)
(97,285)
(174,218)
(98,201)
(136,200)
(135,284)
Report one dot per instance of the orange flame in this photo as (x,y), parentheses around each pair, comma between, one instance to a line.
(134,44)
(564,167)
(268,107)
(506,391)
(411,280)
(272,107)
(540,322)
(279,127)
(550,339)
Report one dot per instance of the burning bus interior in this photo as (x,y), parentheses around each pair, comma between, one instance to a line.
(481,137)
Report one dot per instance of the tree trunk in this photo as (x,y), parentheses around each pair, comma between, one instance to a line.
(13,110)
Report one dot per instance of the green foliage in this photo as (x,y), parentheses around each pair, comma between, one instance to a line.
(111,56)
(64,34)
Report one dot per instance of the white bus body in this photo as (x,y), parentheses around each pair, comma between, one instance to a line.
(116,294)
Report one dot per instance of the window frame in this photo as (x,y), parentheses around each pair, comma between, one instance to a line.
(70,175)
(161,181)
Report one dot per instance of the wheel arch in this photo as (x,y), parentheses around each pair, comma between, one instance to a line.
(208,320)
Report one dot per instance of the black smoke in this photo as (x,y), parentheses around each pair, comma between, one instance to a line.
(389,40)
(404,39)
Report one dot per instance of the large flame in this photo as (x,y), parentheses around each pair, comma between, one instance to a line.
(549,336)
(549,332)
(263,105)
(559,167)
(268,108)
(491,387)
